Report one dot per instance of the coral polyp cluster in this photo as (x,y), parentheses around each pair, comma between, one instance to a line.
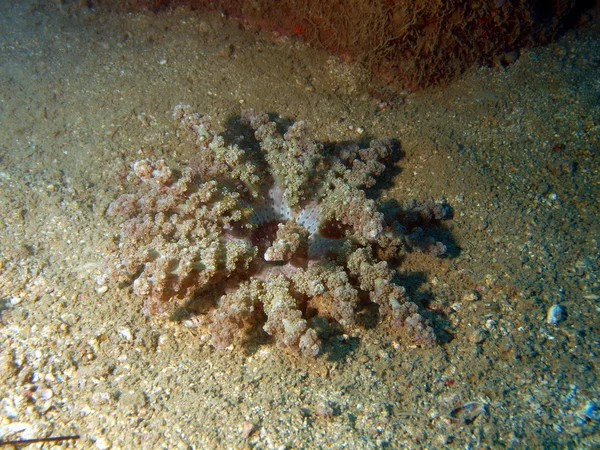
(282,234)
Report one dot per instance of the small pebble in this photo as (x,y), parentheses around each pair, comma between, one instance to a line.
(471,296)
(468,412)
(490,324)
(12,428)
(125,333)
(45,394)
(478,336)
(103,444)
(591,411)
(247,429)
(555,314)
(101,290)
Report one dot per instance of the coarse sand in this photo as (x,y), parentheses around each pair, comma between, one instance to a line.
(514,151)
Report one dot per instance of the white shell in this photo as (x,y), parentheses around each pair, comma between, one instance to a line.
(555,314)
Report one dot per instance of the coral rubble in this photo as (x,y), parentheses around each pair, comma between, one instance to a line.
(282,235)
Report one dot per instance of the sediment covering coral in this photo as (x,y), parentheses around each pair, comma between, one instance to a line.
(405,44)
(279,235)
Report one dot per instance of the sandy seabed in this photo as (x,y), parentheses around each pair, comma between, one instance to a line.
(513,151)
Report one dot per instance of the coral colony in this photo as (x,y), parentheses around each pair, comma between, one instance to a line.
(283,236)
